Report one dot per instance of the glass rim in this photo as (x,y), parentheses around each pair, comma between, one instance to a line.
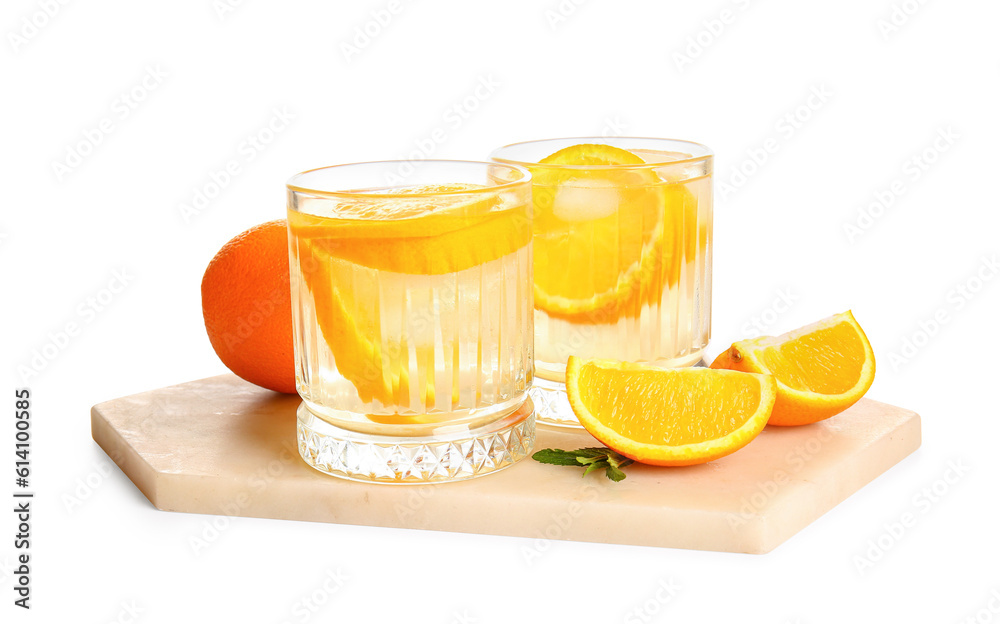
(700,153)
(525,178)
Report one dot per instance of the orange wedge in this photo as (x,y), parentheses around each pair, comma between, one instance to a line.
(668,417)
(821,369)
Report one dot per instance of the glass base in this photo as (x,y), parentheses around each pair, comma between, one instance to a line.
(449,456)
(552,405)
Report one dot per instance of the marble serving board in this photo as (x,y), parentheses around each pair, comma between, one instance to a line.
(223,446)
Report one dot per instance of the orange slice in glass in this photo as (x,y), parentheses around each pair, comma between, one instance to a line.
(417,236)
(425,230)
(605,238)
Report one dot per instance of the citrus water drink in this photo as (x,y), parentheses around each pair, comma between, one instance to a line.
(622,244)
(412,320)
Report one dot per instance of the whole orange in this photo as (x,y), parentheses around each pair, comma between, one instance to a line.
(247,306)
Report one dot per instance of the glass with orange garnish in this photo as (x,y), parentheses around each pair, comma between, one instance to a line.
(412,315)
(622,255)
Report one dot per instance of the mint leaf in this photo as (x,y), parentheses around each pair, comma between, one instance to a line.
(557,457)
(597,465)
(618,461)
(614,473)
(591,459)
(593,451)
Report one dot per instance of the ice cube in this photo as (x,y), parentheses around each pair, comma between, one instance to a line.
(585,200)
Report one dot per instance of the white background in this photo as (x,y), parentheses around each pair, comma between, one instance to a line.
(636,68)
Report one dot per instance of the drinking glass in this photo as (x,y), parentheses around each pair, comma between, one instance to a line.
(622,255)
(412,313)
